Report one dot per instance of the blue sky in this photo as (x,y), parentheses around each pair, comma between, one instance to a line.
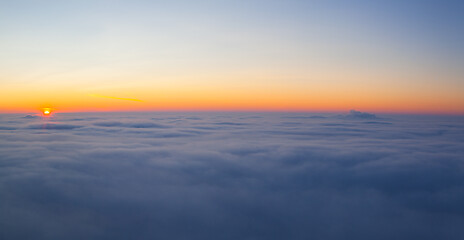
(399,51)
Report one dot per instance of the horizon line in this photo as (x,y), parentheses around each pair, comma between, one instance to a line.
(248,111)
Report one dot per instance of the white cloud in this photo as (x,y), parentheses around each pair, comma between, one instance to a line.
(231,176)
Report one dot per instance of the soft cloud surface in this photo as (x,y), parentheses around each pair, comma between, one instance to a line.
(231,176)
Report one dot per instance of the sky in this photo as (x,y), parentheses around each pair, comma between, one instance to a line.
(229,175)
(377,56)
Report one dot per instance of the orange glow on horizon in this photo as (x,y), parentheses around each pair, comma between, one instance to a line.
(278,105)
(278,97)
(245,103)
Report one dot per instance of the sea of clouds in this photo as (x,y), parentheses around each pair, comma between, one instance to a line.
(231,176)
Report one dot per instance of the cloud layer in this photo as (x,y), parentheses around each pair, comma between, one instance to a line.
(231,176)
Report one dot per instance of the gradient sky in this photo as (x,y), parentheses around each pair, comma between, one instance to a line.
(380,56)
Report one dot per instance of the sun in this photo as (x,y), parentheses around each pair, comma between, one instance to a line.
(46,111)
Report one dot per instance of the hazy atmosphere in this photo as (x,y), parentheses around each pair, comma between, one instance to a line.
(235,120)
